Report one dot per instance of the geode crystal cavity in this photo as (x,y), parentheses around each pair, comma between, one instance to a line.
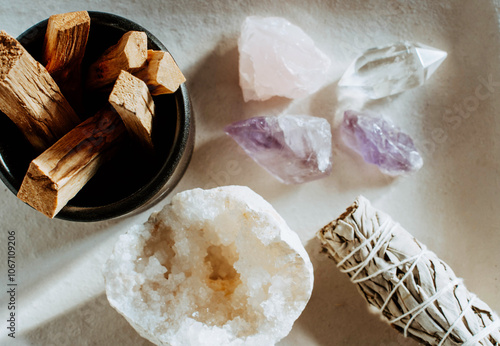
(381,143)
(214,267)
(389,70)
(277,58)
(293,148)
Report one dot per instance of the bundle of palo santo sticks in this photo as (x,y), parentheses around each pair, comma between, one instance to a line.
(44,100)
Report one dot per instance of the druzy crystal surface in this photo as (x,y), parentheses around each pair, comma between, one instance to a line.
(215,267)
(294,148)
(389,70)
(278,58)
(381,143)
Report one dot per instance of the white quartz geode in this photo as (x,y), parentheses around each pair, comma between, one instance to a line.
(214,267)
(278,58)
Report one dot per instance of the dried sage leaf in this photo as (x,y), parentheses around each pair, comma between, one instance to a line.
(416,292)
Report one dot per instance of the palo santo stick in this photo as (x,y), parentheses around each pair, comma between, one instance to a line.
(54,177)
(129,54)
(63,51)
(30,97)
(131,99)
(161,73)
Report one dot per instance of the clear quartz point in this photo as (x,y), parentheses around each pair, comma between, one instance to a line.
(389,70)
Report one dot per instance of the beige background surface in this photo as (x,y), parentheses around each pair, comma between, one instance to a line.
(451,204)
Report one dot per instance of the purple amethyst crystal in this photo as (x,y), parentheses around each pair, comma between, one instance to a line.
(380,142)
(293,148)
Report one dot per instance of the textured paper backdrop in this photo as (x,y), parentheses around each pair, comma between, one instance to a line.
(451,204)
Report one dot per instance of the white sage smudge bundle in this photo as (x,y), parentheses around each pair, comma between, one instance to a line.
(409,285)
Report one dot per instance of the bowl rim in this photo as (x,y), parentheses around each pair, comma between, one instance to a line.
(170,168)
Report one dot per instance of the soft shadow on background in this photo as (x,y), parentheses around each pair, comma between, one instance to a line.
(45,234)
(216,94)
(336,313)
(95,321)
(451,204)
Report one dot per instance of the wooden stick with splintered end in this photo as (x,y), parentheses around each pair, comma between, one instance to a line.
(30,97)
(161,73)
(63,50)
(56,176)
(131,99)
(129,54)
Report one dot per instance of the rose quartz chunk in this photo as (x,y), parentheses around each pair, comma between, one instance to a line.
(277,58)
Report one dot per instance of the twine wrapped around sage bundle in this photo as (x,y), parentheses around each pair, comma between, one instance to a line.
(409,285)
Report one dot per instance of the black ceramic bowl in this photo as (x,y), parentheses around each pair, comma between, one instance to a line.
(130,182)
